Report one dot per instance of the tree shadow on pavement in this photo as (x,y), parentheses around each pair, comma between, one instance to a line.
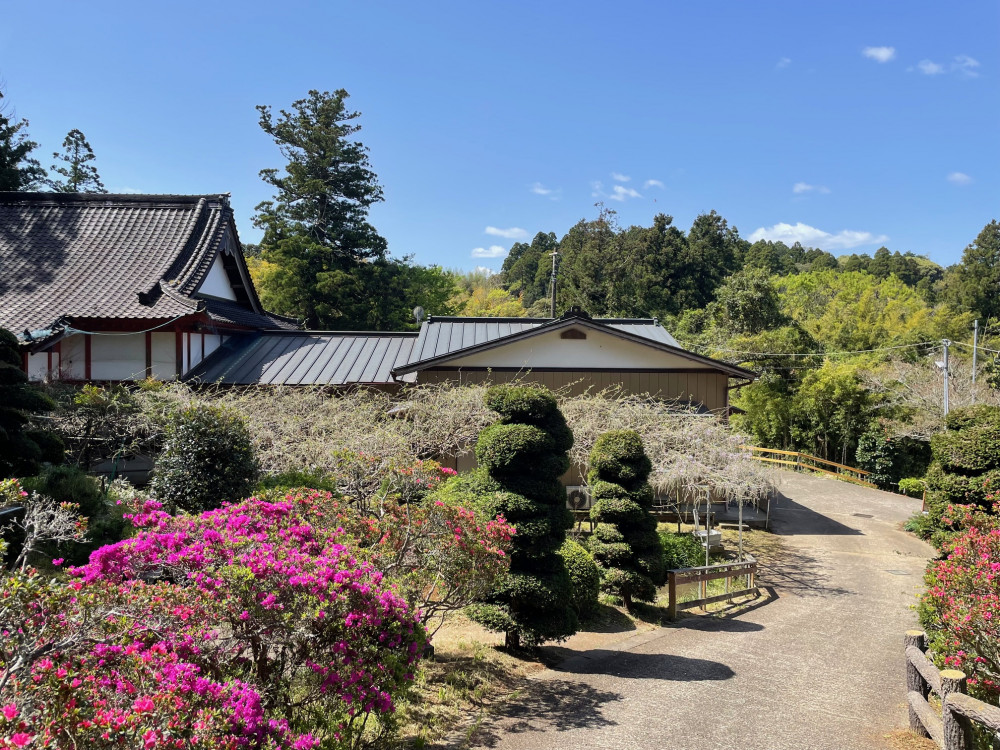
(639,666)
(717,624)
(789,518)
(797,573)
(548,706)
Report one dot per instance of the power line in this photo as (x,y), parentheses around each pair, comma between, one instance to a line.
(820,354)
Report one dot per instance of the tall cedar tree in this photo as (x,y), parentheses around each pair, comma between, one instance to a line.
(978,275)
(21,449)
(521,458)
(625,544)
(18,170)
(80,176)
(316,229)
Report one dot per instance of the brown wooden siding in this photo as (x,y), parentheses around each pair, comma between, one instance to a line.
(708,388)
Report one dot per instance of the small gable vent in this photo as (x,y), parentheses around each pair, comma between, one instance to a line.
(573,333)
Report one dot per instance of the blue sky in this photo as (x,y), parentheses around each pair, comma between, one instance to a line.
(843,124)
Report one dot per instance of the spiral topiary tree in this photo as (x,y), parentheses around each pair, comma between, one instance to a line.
(625,545)
(521,458)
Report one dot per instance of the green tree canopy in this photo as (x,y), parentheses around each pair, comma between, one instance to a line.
(18,169)
(79,175)
(975,284)
(316,228)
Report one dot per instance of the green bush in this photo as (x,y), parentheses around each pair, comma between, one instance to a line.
(69,484)
(625,544)
(520,460)
(584,576)
(22,450)
(207,460)
(968,416)
(681,551)
(888,459)
(294,480)
(912,487)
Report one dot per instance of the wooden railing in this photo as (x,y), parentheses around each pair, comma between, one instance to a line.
(703,575)
(799,461)
(953,729)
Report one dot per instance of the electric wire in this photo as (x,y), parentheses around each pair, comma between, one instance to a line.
(71,329)
(818,354)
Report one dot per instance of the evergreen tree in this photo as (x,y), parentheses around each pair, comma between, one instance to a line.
(975,282)
(21,449)
(18,170)
(80,176)
(625,545)
(316,228)
(521,458)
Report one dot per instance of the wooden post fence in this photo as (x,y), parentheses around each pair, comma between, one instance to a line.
(959,711)
(799,461)
(702,576)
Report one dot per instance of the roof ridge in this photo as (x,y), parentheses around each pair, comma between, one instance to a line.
(58,198)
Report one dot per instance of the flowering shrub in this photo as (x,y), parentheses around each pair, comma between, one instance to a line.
(961,607)
(248,626)
(438,553)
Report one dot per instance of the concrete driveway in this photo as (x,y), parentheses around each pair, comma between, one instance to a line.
(817,667)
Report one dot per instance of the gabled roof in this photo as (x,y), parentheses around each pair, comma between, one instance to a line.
(445,339)
(101,256)
(306,358)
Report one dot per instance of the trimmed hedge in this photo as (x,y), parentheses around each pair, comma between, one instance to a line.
(625,545)
(207,460)
(521,458)
(681,551)
(584,576)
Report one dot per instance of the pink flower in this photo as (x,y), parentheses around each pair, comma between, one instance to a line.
(143,704)
(21,739)
(10,712)
(58,561)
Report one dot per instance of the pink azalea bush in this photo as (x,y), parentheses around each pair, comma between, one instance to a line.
(253,625)
(961,606)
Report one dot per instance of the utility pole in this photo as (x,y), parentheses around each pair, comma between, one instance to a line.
(975,347)
(946,343)
(555,259)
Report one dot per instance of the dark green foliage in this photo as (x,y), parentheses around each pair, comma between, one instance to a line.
(207,460)
(520,460)
(22,450)
(890,459)
(972,284)
(68,484)
(966,466)
(625,545)
(681,551)
(294,480)
(584,576)
(80,176)
(18,170)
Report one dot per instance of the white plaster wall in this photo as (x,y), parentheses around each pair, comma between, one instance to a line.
(118,357)
(38,366)
(212,342)
(164,359)
(73,365)
(599,350)
(216,283)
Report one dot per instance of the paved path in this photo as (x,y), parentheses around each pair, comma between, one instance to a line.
(818,667)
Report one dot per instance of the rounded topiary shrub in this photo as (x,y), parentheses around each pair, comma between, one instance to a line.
(584,576)
(521,458)
(207,460)
(625,544)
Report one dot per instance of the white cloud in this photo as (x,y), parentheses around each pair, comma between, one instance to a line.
(493,251)
(879,54)
(811,236)
(959,178)
(966,66)
(783,63)
(621,193)
(652,183)
(539,189)
(619,177)
(929,68)
(962,65)
(805,187)
(513,233)
(484,270)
